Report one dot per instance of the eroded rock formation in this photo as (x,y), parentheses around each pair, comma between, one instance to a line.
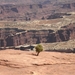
(23,12)
(15,37)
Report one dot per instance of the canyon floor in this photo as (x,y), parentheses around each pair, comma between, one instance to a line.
(17,62)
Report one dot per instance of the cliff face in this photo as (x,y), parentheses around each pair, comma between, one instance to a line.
(45,36)
(16,38)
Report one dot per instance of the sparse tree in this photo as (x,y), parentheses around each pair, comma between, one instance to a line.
(39,48)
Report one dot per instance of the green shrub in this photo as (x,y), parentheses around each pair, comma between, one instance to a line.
(39,48)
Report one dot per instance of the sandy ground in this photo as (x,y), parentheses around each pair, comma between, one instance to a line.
(16,62)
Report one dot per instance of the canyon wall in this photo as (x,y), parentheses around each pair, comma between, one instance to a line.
(19,37)
(23,12)
(45,36)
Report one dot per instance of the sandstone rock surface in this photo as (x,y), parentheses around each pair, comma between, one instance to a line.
(16,62)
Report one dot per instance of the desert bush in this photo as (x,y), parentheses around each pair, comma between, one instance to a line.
(39,48)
